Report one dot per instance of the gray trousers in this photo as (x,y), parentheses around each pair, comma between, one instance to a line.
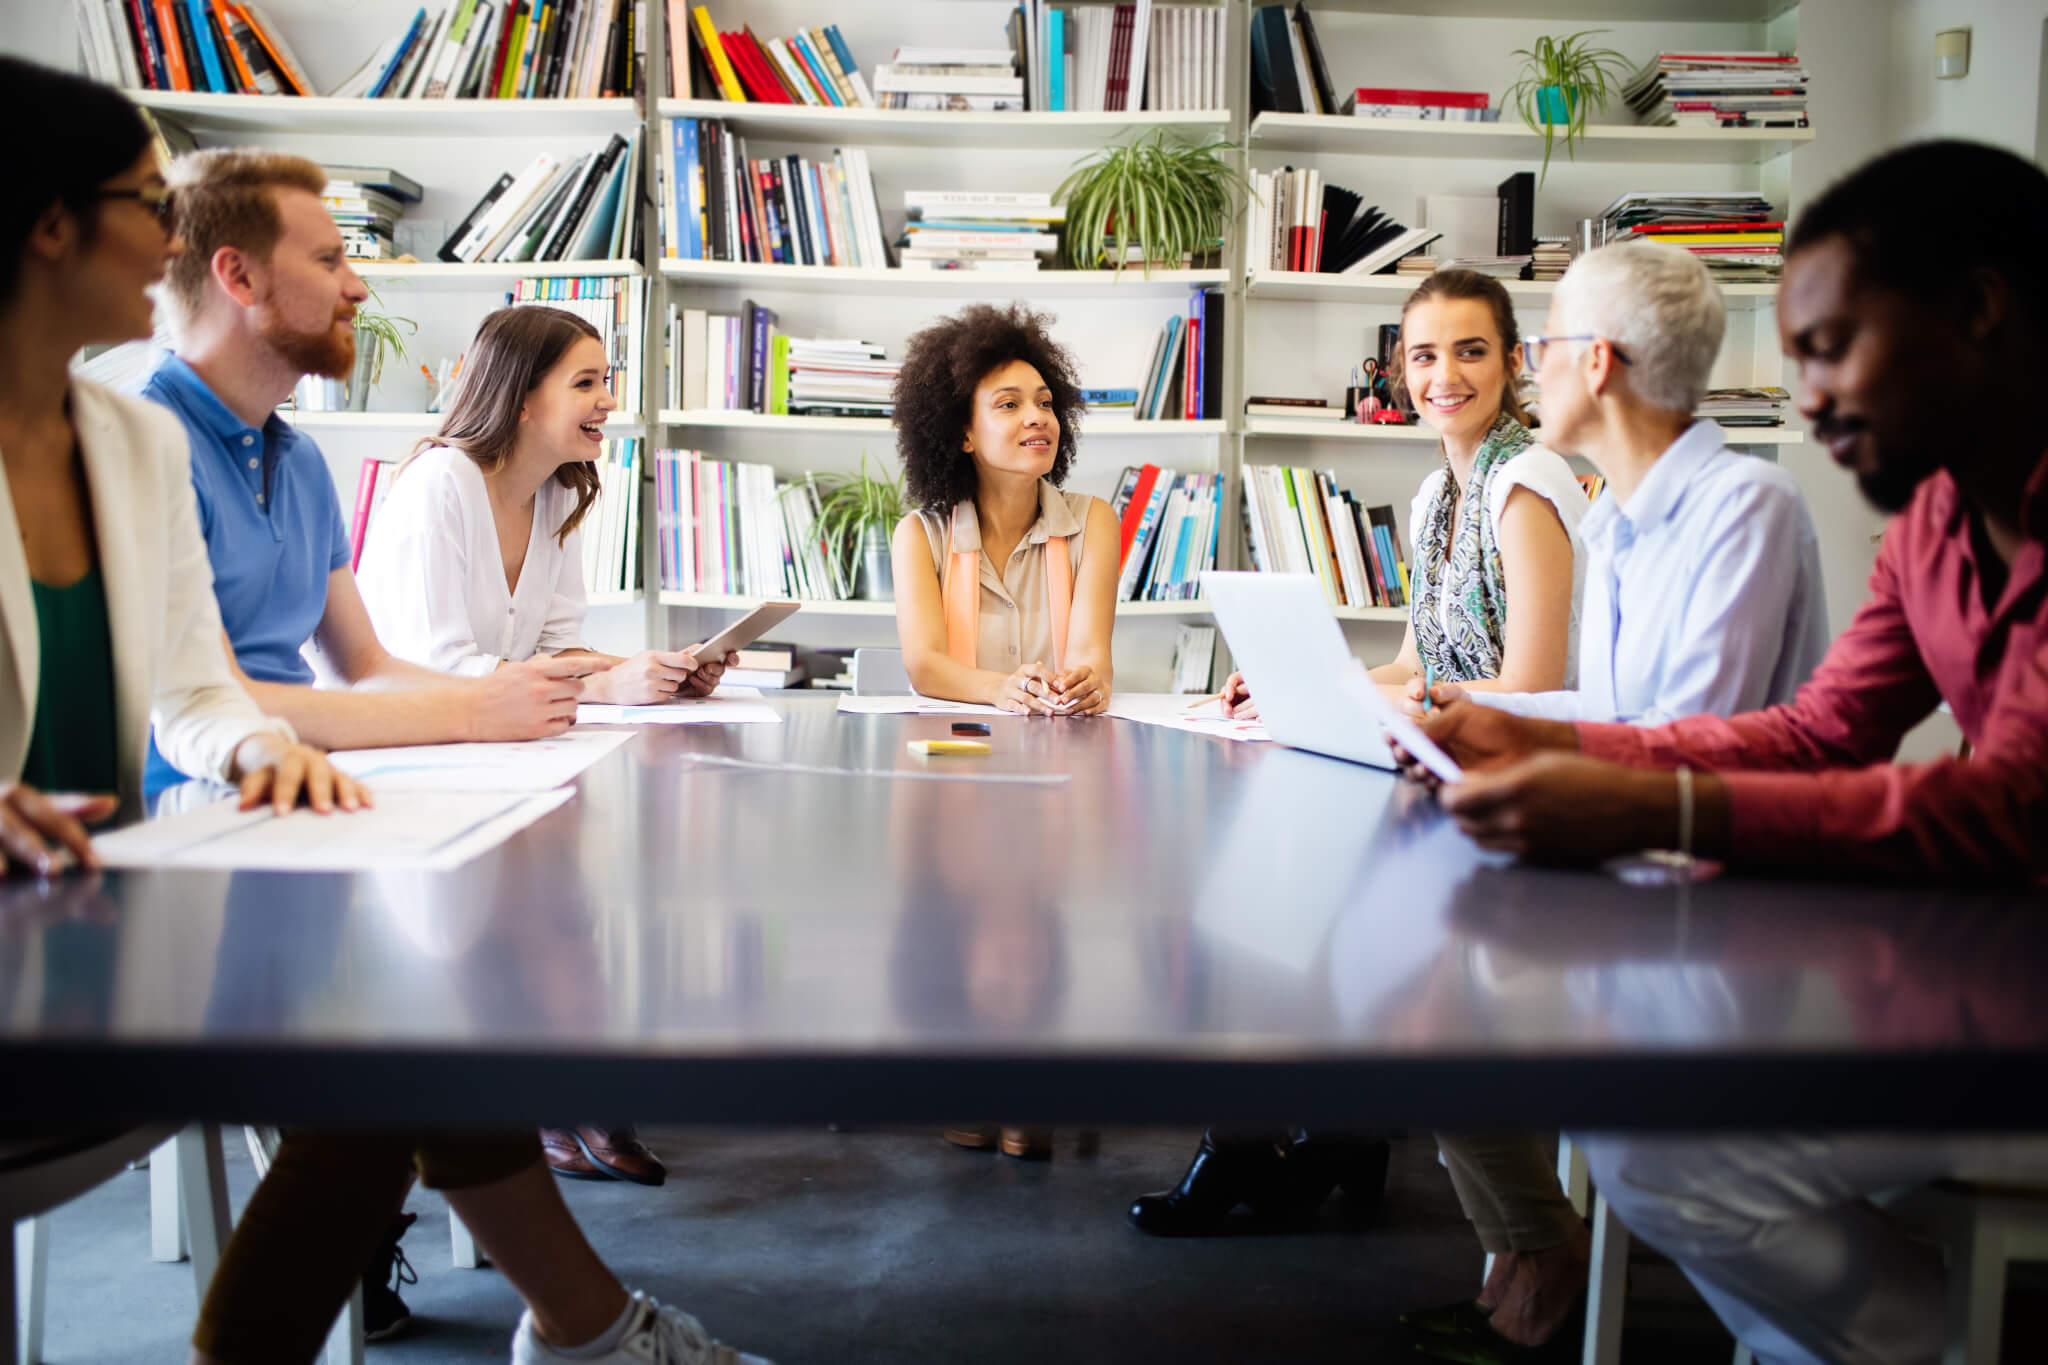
(1507,1183)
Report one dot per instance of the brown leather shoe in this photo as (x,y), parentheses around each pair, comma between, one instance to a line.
(565,1158)
(620,1152)
(1028,1144)
(977,1137)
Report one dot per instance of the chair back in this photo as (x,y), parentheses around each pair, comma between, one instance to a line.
(879,673)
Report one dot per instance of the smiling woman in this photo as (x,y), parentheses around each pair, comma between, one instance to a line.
(1005,583)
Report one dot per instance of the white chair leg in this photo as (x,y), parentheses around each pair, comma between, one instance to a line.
(1976,1292)
(1574,1175)
(203,1187)
(10,1342)
(166,1226)
(1606,1287)
(345,1341)
(461,1244)
(29,1283)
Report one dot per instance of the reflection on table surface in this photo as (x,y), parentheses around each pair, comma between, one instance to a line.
(1174,902)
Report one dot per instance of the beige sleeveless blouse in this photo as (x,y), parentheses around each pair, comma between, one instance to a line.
(1016,620)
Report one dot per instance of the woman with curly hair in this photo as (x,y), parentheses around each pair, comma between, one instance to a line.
(1005,583)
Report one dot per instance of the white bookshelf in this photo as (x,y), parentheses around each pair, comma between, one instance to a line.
(957,284)
(1691,11)
(416,423)
(1323,429)
(1506,141)
(488,274)
(318,115)
(1093,427)
(1307,287)
(972,129)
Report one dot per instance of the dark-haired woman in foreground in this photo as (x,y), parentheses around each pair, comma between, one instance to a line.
(1005,583)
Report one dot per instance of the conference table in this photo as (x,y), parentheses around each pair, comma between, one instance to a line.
(1101,922)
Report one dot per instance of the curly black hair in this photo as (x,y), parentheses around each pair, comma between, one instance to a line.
(935,395)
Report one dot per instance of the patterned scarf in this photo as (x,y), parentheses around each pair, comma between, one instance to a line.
(1455,549)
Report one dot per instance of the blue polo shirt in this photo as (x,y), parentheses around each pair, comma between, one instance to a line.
(272,524)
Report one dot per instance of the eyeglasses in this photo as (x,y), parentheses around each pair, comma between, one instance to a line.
(1532,348)
(156,198)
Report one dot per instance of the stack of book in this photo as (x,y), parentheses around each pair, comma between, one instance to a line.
(1720,90)
(718,204)
(1758,407)
(1133,56)
(1289,75)
(366,203)
(1312,409)
(825,378)
(1499,267)
(950,78)
(766,665)
(616,307)
(1169,524)
(507,49)
(1736,234)
(725,527)
(1439,106)
(611,532)
(1551,258)
(580,210)
(1299,521)
(720,362)
(1300,222)
(812,66)
(1184,378)
(207,46)
(1416,266)
(966,230)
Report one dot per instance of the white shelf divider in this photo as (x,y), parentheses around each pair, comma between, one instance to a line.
(935,128)
(1506,141)
(392,117)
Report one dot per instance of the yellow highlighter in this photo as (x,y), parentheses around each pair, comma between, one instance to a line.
(939,748)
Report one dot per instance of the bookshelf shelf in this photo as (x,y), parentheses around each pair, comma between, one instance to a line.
(714,601)
(1094,429)
(393,117)
(1663,11)
(1398,615)
(933,128)
(1507,141)
(1307,287)
(420,423)
(443,275)
(1418,434)
(829,279)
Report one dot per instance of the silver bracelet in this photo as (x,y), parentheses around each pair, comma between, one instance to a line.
(1685,813)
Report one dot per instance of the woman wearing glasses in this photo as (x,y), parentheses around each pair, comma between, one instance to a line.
(1494,527)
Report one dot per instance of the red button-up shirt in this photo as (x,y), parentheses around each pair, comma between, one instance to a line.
(1808,785)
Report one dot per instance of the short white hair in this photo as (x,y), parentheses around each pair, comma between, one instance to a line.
(1658,306)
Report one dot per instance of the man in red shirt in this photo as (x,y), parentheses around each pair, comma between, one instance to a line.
(1918,362)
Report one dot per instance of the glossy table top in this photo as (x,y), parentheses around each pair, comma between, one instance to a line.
(1103,921)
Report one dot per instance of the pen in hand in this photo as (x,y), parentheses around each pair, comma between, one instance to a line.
(1428,686)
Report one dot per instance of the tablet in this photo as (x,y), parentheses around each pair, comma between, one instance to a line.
(746,630)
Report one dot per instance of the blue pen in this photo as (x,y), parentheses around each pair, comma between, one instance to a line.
(1428,686)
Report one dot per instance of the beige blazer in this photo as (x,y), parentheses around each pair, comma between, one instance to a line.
(170,665)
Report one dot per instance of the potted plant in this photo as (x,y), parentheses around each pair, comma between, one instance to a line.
(1562,79)
(856,515)
(1165,195)
(377,336)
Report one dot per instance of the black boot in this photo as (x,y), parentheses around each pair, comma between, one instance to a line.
(384,1313)
(1319,1162)
(1224,1174)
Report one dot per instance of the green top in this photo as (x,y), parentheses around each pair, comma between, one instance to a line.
(72,747)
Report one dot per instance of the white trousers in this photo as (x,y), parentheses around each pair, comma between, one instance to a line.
(1780,1236)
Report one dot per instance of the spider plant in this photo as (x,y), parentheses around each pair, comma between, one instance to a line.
(1166,195)
(1562,80)
(856,514)
(381,331)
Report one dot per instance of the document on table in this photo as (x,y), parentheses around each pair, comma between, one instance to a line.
(726,706)
(430,831)
(913,705)
(1170,709)
(525,766)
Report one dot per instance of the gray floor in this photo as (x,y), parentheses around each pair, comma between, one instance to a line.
(890,1246)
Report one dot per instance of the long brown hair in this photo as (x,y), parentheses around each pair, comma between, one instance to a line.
(1467,284)
(514,350)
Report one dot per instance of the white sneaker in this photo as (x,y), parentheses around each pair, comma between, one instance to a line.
(660,1335)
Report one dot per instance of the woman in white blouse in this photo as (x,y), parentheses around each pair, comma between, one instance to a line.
(474,559)
(107,617)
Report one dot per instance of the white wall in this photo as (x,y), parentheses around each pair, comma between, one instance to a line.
(1998,102)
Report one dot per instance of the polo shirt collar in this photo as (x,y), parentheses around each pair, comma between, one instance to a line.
(204,405)
(1663,488)
(1055,518)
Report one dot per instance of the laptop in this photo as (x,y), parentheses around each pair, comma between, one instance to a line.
(1294,658)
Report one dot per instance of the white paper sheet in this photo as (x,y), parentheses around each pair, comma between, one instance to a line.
(726,706)
(850,705)
(1170,709)
(431,831)
(1360,684)
(528,766)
